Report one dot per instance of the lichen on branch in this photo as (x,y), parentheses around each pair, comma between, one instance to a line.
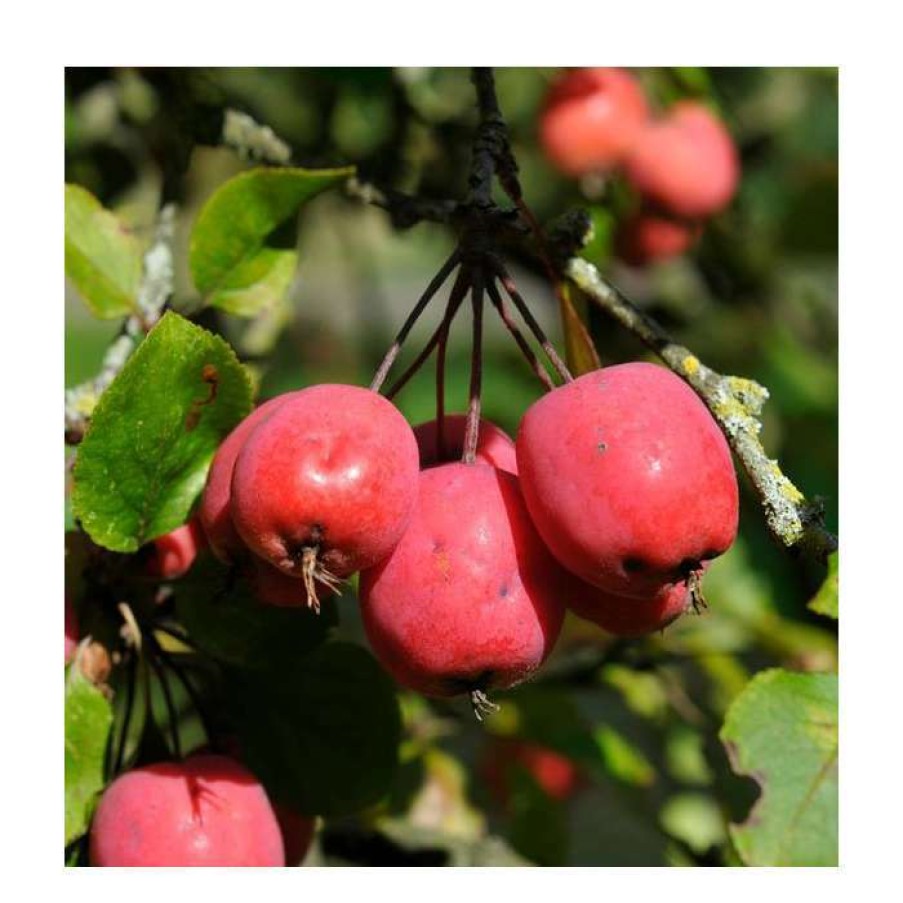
(736,404)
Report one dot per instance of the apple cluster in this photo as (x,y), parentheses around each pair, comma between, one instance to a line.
(617,492)
(683,165)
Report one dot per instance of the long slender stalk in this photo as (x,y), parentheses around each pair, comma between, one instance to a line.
(127,716)
(170,706)
(394,349)
(512,327)
(472,429)
(510,287)
(451,308)
(176,667)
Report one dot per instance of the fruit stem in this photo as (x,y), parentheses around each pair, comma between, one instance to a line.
(127,715)
(394,349)
(694,586)
(511,288)
(482,704)
(512,327)
(311,572)
(176,668)
(472,428)
(454,302)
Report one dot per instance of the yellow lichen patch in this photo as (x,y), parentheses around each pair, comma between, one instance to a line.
(748,393)
(690,365)
(785,487)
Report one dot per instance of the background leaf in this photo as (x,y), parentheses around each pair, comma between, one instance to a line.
(323,733)
(103,258)
(154,432)
(825,601)
(782,731)
(233,225)
(88,720)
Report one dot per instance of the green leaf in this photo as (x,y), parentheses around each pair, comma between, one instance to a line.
(225,621)
(322,734)
(154,432)
(103,258)
(256,284)
(88,719)
(782,731)
(233,225)
(825,601)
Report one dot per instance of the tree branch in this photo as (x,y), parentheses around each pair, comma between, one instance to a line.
(735,403)
(405,210)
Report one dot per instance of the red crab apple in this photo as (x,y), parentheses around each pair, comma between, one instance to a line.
(495,446)
(71,628)
(470,599)
(206,811)
(556,775)
(686,163)
(629,617)
(590,119)
(215,510)
(173,554)
(325,486)
(648,236)
(628,478)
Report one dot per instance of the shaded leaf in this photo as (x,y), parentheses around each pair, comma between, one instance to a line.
(322,733)
(88,719)
(782,731)
(103,258)
(826,599)
(226,621)
(233,225)
(154,431)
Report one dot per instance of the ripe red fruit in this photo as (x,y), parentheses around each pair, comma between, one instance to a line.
(495,446)
(628,478)
(647,237)
(297,833)
(174,553)
(71,628)
(325,486)
(685,163)
(215,510)
(470,600)
(591,118)
(205,811)
(628,617)
(555,774)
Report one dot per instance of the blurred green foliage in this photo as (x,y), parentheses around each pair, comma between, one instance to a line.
(757,298)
